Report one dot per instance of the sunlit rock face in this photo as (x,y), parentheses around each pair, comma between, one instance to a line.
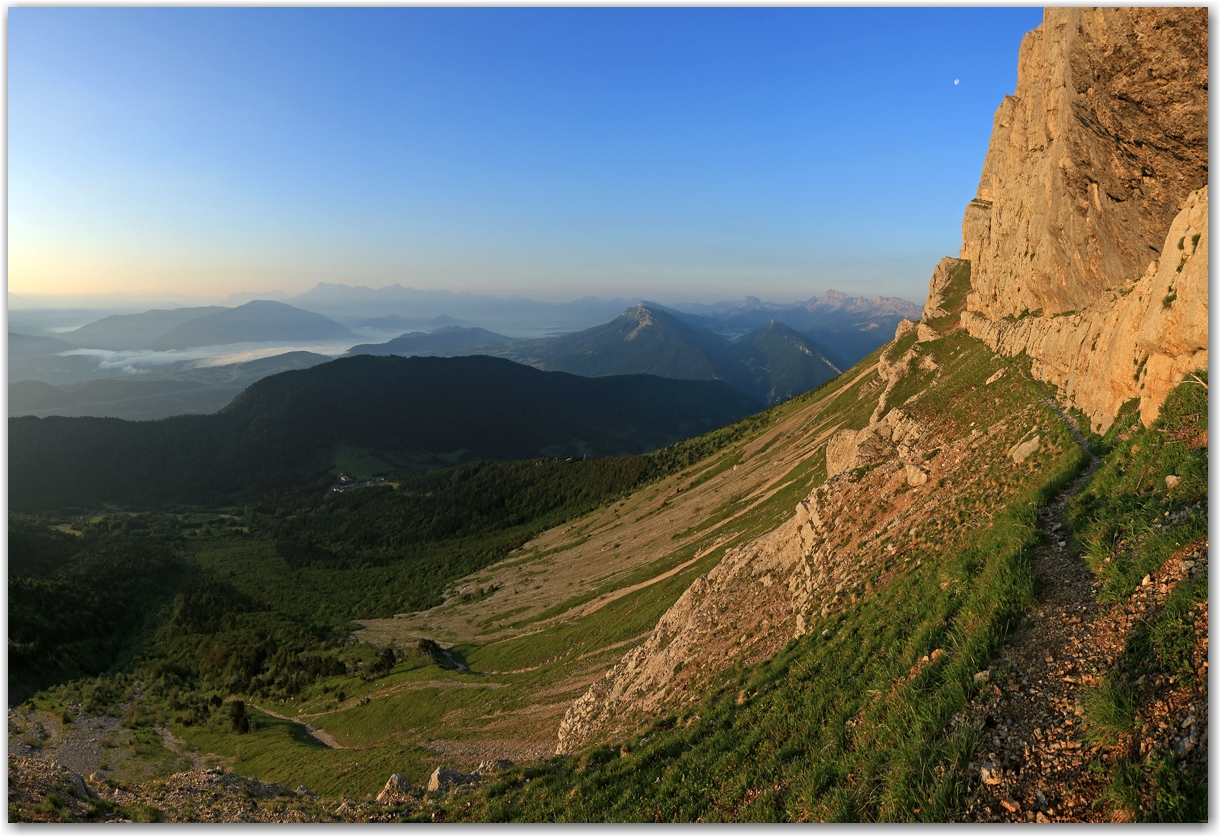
(1091,160)
(1138,341)
(1088,238)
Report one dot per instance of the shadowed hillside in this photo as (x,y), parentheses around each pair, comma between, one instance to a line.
(384,413)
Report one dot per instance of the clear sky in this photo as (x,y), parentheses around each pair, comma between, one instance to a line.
(676,154)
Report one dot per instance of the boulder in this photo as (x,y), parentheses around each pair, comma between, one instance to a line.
(916,476)
(443,779)
(1021,452)
(79,788)
(396,791)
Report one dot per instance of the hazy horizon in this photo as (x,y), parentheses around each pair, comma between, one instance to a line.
(118,299)
(672,154)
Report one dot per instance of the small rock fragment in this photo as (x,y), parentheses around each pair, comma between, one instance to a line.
(397,790)
(1010,805)
(991,773)
(1172,482)
(1182,747)
(444,778)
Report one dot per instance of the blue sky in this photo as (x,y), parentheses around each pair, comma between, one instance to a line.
(677,154)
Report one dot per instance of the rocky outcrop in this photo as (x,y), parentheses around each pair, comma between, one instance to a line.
(938,288)
(443,778)
(1097,167)
(1138,341)
(1091,159)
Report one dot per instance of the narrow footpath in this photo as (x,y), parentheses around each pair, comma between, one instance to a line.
(1037,763)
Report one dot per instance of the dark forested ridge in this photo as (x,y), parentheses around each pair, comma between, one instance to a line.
(391,413)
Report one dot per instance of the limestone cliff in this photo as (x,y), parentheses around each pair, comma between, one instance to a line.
(1100,152)
(1091,159)
(1086,249)
(1137,341)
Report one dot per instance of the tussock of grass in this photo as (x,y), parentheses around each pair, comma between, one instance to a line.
(1109,710)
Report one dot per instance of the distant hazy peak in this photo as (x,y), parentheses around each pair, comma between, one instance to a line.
(835,300)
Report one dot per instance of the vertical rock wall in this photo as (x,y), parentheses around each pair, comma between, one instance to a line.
(1102,149)
(1091,159)
(1138,341)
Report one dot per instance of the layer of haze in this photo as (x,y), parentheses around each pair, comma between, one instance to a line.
(686,154)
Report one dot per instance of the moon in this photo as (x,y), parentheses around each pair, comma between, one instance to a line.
(956,80)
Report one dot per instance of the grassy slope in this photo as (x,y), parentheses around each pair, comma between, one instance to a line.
(898,763)
(847,725)
(1129,522)
(552,653)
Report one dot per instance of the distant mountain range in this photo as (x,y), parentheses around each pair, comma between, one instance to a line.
(393,322)
(770,365)
(21,346)
(768,351)
(453,341)
(384,413)
(128,331)
(514,314)
(45,358)
(257,321)
(850,327)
